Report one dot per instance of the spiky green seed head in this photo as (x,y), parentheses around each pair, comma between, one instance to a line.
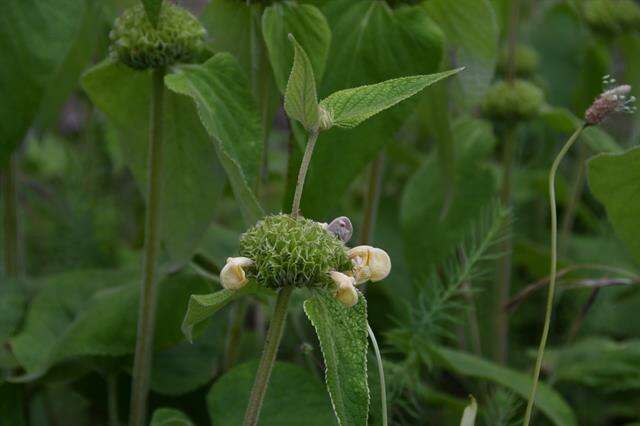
(178,37)
(612,17)
(519,100)
(525,61)
(293,252)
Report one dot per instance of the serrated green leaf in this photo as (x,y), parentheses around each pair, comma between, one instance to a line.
(309,27)
(35,37)
(221,92)
(170,417)
(193,178)
(152,7)
(548,400)
(294,397)
(342,333)
(300,97)
(350,107)
(202,306)
(614,179)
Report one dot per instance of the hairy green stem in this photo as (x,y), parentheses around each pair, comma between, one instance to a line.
(148,290)
(112,399)
(236,321)
(271,344)
(372,201)
(554,266)
(501,317)
(383,387)
(302,174)
(10,198)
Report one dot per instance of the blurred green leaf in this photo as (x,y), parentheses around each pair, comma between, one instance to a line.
(221,91)
(170,417)
(202,306)
(342,333)
(300,97)
(193,179)
(11,404)
(152,7)
(471,27)
(548,400)
(295,397)
(614,179)
(432,229)
(95,313)
(35,37)
(13,302)
(309,27)
(350,107)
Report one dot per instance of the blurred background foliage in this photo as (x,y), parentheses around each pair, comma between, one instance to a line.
(422,180)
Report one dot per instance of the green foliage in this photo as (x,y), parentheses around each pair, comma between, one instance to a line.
(294,397)
(300,97)
(525,61)
(142,43)
(513,102)
(11,400)
(342,333)
(614,180)
(548,400)
(612,18)
(220,90)
(152,9)
(170,417)
(202,307)
(35,37)
(291,251)
(309,27)
(350,107)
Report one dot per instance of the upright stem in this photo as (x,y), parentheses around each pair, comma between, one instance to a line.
(112,398)
(383,387)
(552,275)
(302,174)
(10,198)
(372,200)
(148,296)
(272,342)
(504,267)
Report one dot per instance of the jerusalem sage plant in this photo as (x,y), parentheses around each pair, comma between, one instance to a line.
(287,251)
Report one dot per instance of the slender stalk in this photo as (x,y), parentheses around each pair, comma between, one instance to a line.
(372,200)
(383,387)
(148,296)
(503,290)
(554,265)
(302,174)
(236,321)
(10,198)
(272,342)
(112,398)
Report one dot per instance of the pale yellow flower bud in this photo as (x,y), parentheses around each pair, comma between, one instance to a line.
(369,263)
(346,292)
(232,275)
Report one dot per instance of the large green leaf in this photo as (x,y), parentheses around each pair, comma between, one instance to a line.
(342,333)
(35,37)
(96,313)
(371,43)
(202,306)
(221,92)
(170,417)
(310,28)
(193,179)
(300,96)
(547,400)
(294,397)
(350,107)
(472,29)
(433,226)
(615,181)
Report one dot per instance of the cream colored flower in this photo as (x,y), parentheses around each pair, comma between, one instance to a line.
(232,275)
(369,263)
(346,292)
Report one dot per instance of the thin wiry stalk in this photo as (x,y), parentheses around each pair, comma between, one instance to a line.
(554,265)
(302,174)
(383,387)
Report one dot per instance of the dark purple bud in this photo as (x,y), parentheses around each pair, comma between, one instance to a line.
(341,227)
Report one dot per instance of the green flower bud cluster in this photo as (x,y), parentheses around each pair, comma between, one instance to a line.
(519,100)
(289,251)
(612,17)
(525,61)
(178,37)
